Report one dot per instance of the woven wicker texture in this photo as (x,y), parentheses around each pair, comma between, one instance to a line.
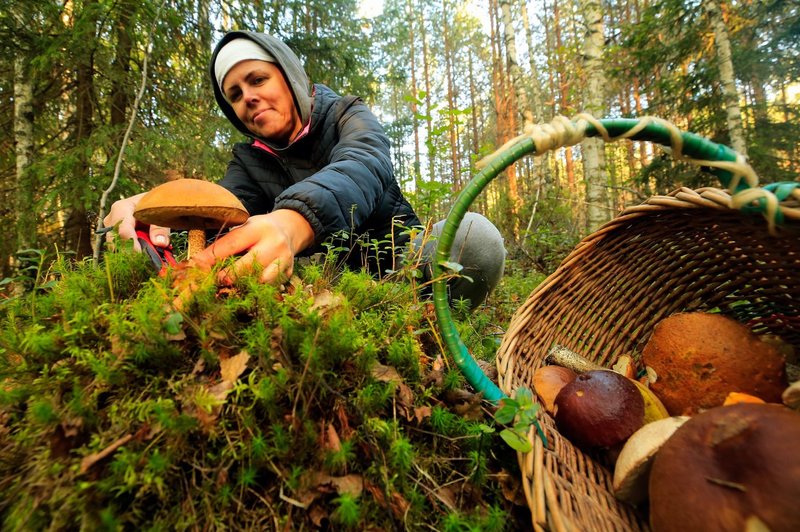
(683,252)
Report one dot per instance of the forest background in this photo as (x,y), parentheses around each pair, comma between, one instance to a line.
(450,81)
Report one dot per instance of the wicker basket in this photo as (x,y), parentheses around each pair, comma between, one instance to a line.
(689,251)
(682,252)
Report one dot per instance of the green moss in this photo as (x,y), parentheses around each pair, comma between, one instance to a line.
(119,412)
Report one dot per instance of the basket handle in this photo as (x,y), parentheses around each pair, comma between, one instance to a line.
(730,168)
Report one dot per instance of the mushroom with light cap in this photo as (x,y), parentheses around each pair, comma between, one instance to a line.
(632,470)
(193,205)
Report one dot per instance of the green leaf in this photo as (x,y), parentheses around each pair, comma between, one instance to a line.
(516,441)
(450,265)
(173,323)
(524,396)
(486,429)
(505,414)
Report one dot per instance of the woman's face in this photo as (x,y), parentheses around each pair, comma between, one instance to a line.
(261,99)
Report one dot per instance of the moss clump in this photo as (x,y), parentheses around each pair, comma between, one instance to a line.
(324,403)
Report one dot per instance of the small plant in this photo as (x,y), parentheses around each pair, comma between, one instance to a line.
(520,413)
(348,511)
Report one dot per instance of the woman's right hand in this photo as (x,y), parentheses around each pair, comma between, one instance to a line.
(122,213)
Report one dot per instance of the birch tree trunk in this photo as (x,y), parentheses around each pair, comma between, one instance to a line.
(414,93)
(514,70)
(23,150)
(428,111)
(594,160)
(451,96)
(564,107)
(727,79)
(536,100)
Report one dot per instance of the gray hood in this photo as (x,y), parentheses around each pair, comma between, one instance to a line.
(289,63)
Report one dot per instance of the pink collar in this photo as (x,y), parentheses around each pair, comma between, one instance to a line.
(258,144)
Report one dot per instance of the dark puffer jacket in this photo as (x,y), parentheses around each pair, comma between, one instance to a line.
(337,173)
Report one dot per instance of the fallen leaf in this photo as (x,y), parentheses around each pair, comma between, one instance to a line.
(326,300)
(352,485)
(434,378)
(199,366)
(489,369)
(318,515)
(446,496)
(231,368)
(220,390)
(511,487)
(398,505)
(316,483)
(385,373)
(421,413)
(344,423)
(405,399)
(332,440)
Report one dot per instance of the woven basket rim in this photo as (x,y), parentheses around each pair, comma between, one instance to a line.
(550,495)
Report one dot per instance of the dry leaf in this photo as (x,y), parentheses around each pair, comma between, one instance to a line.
(344,423)
(405,399)
(199,366)
(332,440)
(326,300)
(385,373)
(316,483)
(489,369)
(446,496)
(220,391)
(234,366)
(352,485)
(421,413)
(318,515)
(512,488)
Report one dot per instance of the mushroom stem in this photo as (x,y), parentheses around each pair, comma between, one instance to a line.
(561,356)
(196,242)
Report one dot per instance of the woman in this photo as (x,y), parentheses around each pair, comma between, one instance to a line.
(317,165)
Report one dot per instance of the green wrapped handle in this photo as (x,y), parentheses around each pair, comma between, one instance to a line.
(693,146)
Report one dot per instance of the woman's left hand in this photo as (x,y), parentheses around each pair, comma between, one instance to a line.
(270,240)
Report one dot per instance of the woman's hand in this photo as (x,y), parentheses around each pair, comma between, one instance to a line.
(270,240)
(122,213)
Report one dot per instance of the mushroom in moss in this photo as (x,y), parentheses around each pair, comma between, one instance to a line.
(701,357)
(727,468)
(193,205)
(600,408)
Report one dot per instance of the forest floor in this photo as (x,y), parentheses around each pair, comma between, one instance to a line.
(327,403)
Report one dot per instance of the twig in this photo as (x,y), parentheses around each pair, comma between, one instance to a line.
(98,238)
(90,460)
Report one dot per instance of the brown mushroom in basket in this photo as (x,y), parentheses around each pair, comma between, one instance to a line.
(701,357)
(599,408)
(193,205)
(729,468)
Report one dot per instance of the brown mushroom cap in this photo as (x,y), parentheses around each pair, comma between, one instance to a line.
(701,357)
(600,408)
(632,469)
(548,381)
(726,467)
(191,204)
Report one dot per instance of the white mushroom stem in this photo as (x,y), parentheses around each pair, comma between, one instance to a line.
(196,242)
